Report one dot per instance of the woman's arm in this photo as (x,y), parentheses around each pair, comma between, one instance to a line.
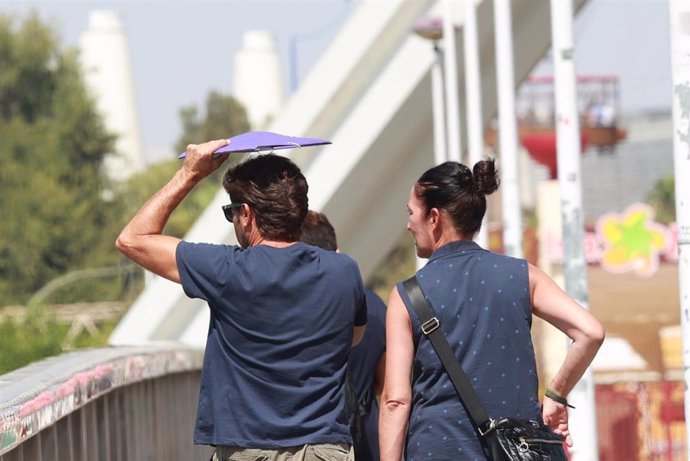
(396,399)
(555,306)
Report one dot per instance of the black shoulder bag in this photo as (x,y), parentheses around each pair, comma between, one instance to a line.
(504,439)
(357,411)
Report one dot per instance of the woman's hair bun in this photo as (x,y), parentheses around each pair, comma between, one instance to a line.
(485,176)
(461,175)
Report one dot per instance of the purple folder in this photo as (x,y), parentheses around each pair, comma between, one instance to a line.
(264,141)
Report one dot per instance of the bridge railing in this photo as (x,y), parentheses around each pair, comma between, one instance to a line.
(119,404)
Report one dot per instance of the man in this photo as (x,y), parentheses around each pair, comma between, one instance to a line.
(366,365)
(283,314)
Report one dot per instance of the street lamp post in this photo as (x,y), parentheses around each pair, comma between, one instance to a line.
(583,422)
(321,31)
(507,129)
(432,29)
(451,81)
(475,133)
(679,16)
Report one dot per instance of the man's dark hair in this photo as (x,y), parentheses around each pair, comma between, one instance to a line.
(275,189)
(318,231)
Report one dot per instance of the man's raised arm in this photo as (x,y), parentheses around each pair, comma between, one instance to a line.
(142,239)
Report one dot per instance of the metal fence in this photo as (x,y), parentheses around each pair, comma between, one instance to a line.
(125,404)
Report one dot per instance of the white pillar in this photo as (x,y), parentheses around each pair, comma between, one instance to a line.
(108,75)
(473,98)
(679,11)
(439,107)
(583,421)
(451,74)
(507,129)
(439,114)
(432,29)
(258,77)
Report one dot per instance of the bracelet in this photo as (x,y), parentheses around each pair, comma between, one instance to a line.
(557,398)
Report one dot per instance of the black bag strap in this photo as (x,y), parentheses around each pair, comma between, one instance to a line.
(356,404)
(431,327)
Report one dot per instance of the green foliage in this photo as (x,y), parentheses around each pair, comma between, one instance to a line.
(100,339)
(663,199)
(52,143)
(139,188)
(224,117)
(28,58)
(56,217)
(60,214)
(398,265)
(39,335)
(23,342)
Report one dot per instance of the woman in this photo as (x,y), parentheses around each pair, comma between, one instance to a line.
(485,303)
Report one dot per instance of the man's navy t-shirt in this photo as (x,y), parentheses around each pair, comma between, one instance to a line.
(279,336)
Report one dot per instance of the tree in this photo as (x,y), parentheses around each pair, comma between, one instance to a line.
(141,186)
(38,334)
(663,199)
(52,143)
(56,219)
(399,264)
(224,117)
(55,214)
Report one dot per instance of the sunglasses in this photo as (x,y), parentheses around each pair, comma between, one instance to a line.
(228,210)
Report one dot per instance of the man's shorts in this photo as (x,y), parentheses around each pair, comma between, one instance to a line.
(318,452)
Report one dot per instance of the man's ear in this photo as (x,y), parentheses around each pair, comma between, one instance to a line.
(247,214)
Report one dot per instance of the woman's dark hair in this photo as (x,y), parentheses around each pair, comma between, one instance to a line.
(276,190)
(451,186)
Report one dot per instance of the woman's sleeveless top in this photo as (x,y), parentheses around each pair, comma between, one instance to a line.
(482,300)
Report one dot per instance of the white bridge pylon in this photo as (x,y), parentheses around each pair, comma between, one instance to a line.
(370,94)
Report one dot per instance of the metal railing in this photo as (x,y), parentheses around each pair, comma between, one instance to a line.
(124,404)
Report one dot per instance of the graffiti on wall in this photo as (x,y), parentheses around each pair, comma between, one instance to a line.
(625,242)
(632,241)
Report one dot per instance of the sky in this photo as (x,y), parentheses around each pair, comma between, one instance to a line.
(181,50)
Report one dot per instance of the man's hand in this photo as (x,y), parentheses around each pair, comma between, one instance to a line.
(200,161)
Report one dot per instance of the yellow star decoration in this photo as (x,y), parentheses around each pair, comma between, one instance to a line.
(632,241)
